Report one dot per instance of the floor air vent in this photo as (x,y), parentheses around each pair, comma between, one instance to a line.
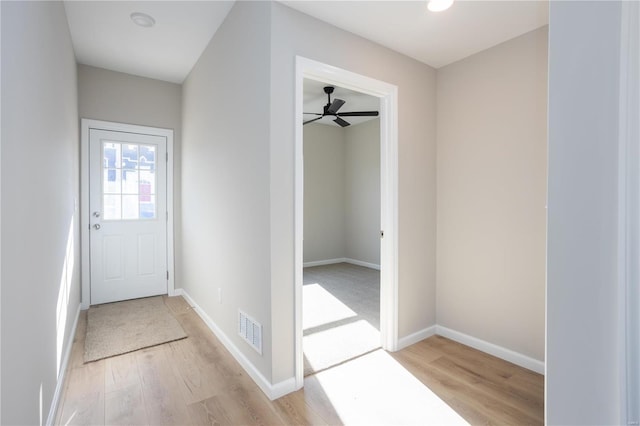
(250,330)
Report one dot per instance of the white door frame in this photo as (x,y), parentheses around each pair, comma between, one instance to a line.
(86,125)
(388,95)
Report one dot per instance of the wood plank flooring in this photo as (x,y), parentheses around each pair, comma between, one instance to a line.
(196,381)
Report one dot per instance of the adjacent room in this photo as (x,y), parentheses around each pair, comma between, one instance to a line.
(286,212)
(341,293)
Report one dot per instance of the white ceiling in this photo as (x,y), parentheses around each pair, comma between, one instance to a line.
(436,39)
(104,36)
(315,99)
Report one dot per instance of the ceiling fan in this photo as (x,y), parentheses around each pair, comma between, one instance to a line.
(331,109)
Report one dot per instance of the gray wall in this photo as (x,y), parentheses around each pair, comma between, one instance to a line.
(125,98)
(492,165)
(342,192)
(324,192)
(40,190)
(583,383)
(362,192)
(225,188)
(293,33)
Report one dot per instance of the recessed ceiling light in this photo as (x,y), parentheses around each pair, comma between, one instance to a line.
(439,5)
(142,19)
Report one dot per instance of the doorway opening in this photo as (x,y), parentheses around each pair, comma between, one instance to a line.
(386,95)
(341,248)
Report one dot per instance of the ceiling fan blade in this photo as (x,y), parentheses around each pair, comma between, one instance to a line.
(335,106)
(311,121)
(358,114)
(312,113)
(341,122)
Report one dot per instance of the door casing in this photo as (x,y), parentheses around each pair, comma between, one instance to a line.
(388,95)
(85,126)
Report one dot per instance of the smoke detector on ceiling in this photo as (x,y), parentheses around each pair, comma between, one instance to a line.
(142,19)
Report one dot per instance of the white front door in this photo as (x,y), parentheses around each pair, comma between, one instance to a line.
(128,215)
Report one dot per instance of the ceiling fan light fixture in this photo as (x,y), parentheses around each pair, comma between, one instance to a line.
(142,19)
(331,110)
(439,5)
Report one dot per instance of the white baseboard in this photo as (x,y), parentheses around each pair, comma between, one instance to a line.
(492,349)
(287,386)
(362,263)
(63,371)
(416,337)
(323,262)
(341,260)
(283,388)
(272,391)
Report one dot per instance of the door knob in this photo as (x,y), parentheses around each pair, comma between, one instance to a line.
(96,226)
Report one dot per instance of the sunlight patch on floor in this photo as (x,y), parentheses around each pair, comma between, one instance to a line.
(375,390)
(335,345)
(321,307)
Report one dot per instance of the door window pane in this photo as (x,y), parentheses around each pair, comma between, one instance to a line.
(148,208)
(147,160)
(147,182)
(128,181)
(111,181)
(110,155)
(130,207)
(111,207)
(129,156)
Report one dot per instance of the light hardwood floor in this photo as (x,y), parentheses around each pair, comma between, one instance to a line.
(196,381)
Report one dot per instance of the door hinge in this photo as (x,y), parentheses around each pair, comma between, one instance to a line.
(167,156)
(167,275)
(167,216)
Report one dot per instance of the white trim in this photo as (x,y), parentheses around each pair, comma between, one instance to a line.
(272,392)
(324,262)
(416,337)
(171,284)
(341,260)
(388,95)
(282,388)
(53,409)
(362,263)
(86,125)
(492,349)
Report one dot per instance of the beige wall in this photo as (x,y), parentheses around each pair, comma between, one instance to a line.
(293,33)
(225,186)
(125,98)
(492,194)
(362,194)
(40,190)
(324,192)
(237,193)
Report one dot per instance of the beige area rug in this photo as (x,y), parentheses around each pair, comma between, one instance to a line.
(121,327)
